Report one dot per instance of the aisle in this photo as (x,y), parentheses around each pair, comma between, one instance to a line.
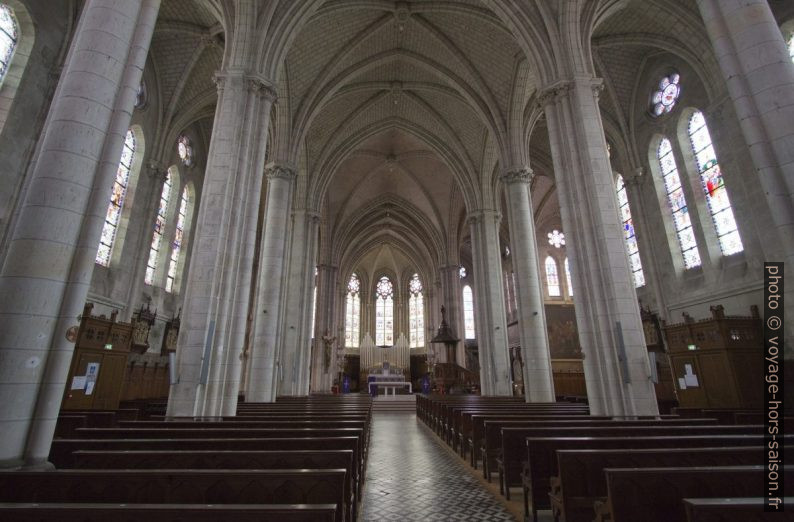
(410,477)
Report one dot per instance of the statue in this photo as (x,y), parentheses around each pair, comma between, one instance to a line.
(328,343)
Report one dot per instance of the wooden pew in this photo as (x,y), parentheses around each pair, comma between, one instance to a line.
(304,486)
(580,478)
(749,509)
(541,460)
(657,493)
(215,459)
(84,512)
(503,444)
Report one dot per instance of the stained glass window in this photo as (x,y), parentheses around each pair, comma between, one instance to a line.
(628,234)
(116,205)
(9,35)
(556,238)
(462,272)
(176,246)
(714,186)
(159,229)
(352,312)
(185,150)
(468,312)
(384,312)
(552,279)
(568,277)
(416,312)
(664,97)
(677,201)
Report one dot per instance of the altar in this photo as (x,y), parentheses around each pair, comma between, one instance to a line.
(387,378)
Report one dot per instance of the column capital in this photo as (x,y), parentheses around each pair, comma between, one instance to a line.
(523,175)
(556,90)
(253,82)
(156,170)
(635,177)
(478,216)
(280,171)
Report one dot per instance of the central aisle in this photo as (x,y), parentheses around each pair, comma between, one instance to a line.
(411,477)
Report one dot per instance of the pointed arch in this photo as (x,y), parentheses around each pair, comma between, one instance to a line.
(156,249)
(353,312)
(629,237)
(552,277)
(384,311)
(179,243)
(468,313)
(416,312)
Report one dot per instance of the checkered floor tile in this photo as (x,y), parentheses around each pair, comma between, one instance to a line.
(410,477)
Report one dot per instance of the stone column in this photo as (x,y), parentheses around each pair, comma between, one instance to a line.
(295,344)
(452,298)
(538,380)
(216,297)
(322,375)
(759,76)
(489,304)
(47,271)
(263,364)
(617,371)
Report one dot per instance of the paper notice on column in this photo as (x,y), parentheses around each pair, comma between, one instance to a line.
(89,387)
(78,382)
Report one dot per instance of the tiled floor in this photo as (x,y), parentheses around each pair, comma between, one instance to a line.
(410,477)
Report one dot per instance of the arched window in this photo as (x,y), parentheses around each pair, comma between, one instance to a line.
(185,150)
(677,202)
(568,278)
(159,229)
(352,312)
(9,35)
(416,312)
(113,215)
(176,246)
(384,312)
(628,233)
(552,279)
(714,186)
(468,313)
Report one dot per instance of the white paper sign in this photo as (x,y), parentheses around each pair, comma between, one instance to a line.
(78,382)
(690,378)
(682,383)
(89,387)
(92,370)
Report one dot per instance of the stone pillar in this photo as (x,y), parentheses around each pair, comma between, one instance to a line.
(489,304)
(538,379)
(47,271)
(263,364)
(216,297)
(759,76)
(295,344)
(617,371)
(452,299)
(322,375)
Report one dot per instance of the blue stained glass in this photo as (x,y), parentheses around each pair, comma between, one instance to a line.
(678,205)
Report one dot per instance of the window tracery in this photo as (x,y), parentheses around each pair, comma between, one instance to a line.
(384,312)
(552,278)
(352,312)
(678,205)
(9,36)
(628,234)
(176,245)
(717,199)
(159,230)
(116,205)
(468,313)
(185,150)
(666,95)
(568,277)
(556,238)
(416,312)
